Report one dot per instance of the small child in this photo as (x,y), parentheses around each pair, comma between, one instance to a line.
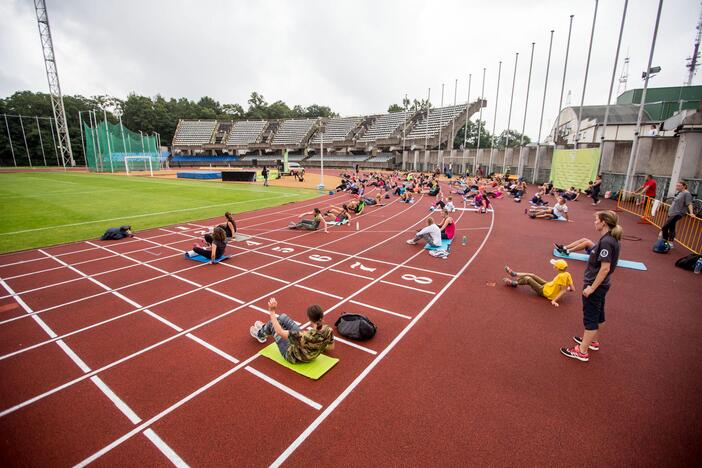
(551,290)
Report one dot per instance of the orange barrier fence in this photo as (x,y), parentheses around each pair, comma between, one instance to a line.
(688,230)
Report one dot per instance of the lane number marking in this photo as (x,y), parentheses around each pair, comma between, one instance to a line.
(416,279)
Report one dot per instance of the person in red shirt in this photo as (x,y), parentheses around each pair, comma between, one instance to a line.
(649,187)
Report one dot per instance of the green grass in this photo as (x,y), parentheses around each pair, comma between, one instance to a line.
(39,209)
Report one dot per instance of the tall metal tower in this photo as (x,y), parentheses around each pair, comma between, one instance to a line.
(693,60)
(47,47)
(624,77)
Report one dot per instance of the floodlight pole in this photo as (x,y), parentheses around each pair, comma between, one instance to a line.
(480,119)
(9,138)
(543,104)
(628,183)
(560,100)
(494,120)
(611,85)
(41,142)
(465,128)
(587,69)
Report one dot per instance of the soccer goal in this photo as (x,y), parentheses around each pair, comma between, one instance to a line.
(139,167)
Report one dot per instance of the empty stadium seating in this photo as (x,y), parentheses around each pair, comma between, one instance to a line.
(384,126)
(246,132)
(438,118)
(293,132)
(337,130)
(194,132)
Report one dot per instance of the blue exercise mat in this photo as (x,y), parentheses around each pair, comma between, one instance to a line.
(201,259)
(583,257)
(445,245)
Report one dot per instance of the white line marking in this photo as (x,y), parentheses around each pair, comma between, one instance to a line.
(74,357)
(380,309)
(119,403)
(354,345)
(213,348)
(329,409)
(270,277)
(318,291)
(165,449)
(226,296)
(163,320)
(425,291)
(284,388)
(351,274)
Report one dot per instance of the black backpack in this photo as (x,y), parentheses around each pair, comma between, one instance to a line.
(355,326)
(687,262)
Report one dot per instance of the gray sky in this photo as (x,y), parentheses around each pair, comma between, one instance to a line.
(355,56)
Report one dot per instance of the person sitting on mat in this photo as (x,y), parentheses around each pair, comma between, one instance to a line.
(341,216)
(576,246)
(559,211)
(229,225)
(217,247)
(431,234)
(447,225)
(310,224)
(551,290)
(373,201)
(295,345)
(481,201)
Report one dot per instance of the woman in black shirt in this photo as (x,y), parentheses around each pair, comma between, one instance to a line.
(216,250)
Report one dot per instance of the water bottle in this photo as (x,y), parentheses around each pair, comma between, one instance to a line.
(464,240)
(698,266)
(357,226)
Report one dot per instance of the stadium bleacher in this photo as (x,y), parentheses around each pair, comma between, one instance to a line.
(438,119)
(293,132)
(384,126)
(194,132)
(337,130)
(350,158)
(246,132)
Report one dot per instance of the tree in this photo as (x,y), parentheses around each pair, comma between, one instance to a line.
(472,140)
(395,108)
(513,141)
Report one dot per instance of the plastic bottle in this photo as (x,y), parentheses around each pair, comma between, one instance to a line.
(464,240)
(698,266)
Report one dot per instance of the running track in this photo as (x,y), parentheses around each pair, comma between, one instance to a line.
(126,353)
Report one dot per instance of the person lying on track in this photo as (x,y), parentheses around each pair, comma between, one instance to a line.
(576,246)
(295,345)
(340,216)
(551,290)
(559,211)
(310,224)
(373,201)
(217,247)
(431,234)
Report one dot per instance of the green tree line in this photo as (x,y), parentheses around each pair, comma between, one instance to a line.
(148,114)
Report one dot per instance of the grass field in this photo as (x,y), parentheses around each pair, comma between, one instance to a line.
(40,209)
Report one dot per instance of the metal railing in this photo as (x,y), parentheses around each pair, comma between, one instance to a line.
(688,230)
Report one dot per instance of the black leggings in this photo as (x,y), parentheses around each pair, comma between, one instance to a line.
(596,194)
(668,228)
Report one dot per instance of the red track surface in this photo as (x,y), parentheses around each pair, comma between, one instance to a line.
(126,353)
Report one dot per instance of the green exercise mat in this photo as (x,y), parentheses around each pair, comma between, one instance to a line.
(314,370)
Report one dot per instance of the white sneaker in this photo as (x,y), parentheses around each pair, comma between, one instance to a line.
(411,241)
(254,332)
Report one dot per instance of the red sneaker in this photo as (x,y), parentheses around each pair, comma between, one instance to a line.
(575,353)
(594,345)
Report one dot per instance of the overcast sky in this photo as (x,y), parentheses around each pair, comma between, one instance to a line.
(355,56)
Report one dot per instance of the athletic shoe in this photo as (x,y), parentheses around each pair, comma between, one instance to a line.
(575,353)
(561,249)
(258,324)
(411,241)
(594,346)
(509,271)
(254,332)
(509,282)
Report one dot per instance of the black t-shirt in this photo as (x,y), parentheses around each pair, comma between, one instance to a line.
(605,250)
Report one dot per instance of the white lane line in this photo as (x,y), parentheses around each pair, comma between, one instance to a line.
(279,280)
(165,449)
(425,291)
(74,357)
(284,388)
(226,296)
(329,409)
(351,274)
(354,345)
(380,309)
(163,320)
(118,402)
(323,293)
(213,348)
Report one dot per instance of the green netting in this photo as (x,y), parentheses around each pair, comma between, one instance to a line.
(107,145)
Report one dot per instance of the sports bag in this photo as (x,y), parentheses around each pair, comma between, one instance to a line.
(687,262)
(661,246)
(355,326)
(117,233)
